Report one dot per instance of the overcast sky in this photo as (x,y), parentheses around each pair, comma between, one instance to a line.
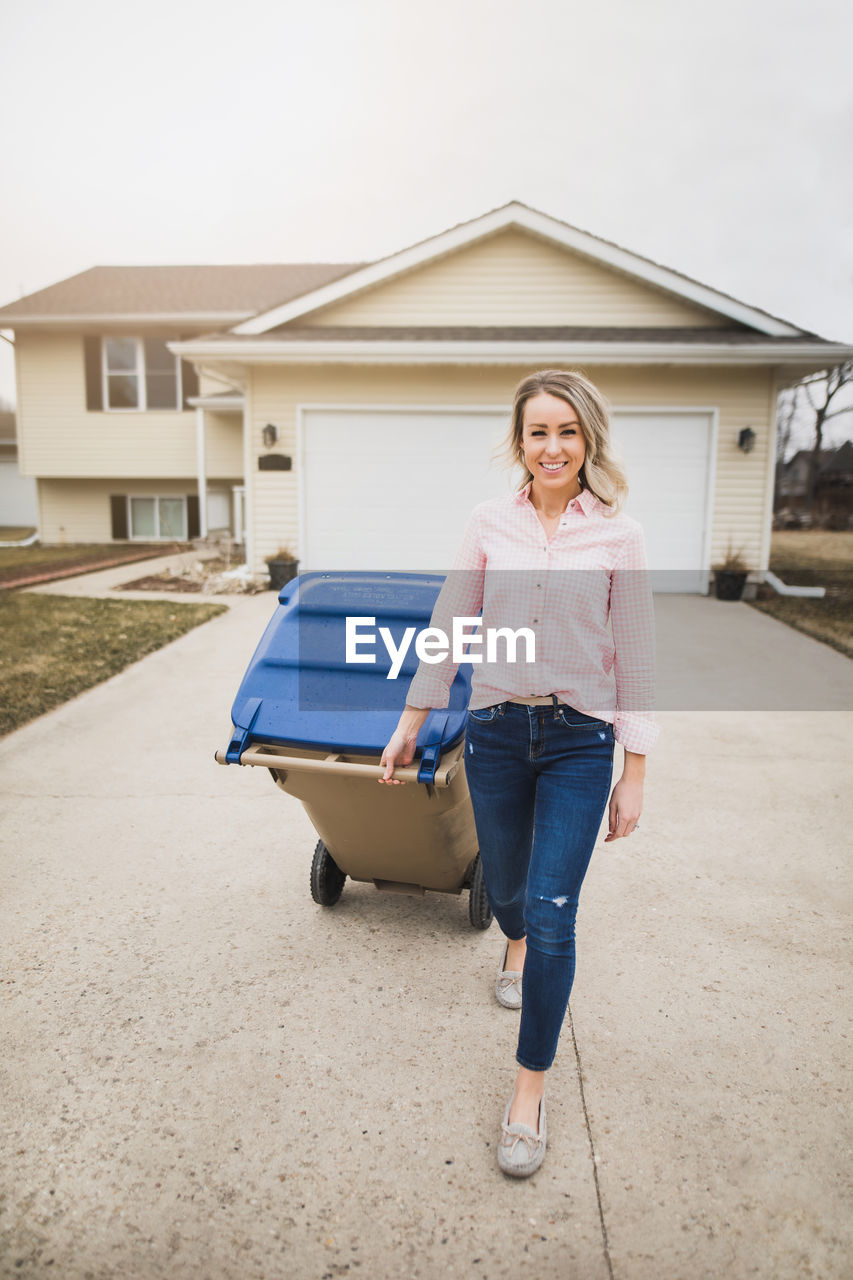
(715,139)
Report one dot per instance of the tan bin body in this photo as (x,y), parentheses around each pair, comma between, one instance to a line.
(407,838)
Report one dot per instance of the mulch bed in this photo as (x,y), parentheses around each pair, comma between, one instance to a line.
(162,582)
(34,575)
(206,579)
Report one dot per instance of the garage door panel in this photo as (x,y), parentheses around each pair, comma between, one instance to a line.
(393,490)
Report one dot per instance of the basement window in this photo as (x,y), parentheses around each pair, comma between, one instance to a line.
(155,518)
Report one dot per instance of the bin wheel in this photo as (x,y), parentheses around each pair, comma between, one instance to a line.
(327,879)
(479,911)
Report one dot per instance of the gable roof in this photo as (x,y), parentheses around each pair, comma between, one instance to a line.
(192,294)
(522,217)
(247,311)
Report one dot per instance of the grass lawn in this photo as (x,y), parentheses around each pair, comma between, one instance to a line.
(54,647)
(813,557)
(21,562)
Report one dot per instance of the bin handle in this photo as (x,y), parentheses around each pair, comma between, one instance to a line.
(431,753)
(333,764)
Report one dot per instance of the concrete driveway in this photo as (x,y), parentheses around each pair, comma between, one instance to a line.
(206,1075)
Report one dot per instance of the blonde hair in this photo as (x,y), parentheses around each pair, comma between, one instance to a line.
(602,473)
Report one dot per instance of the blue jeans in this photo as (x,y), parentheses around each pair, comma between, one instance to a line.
(539,779)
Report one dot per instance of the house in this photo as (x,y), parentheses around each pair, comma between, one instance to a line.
(352,411)
(833,492)
(18,502)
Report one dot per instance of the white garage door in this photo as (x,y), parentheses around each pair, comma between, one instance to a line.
(392,489)
(668,460)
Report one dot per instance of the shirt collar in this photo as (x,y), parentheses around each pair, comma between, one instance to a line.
(586,501)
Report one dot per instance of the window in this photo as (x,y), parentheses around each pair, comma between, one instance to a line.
(140,373)
(157,518)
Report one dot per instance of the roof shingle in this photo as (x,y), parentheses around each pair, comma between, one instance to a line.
(229,291)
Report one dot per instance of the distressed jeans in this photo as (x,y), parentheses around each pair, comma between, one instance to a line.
(539,779)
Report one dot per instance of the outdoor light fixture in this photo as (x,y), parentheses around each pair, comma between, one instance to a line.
(270,435)
(746,439)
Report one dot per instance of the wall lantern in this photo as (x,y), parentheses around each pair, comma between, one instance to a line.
(270,435)
(746,440)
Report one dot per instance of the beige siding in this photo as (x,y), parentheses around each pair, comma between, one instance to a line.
(79,510)
(223,444)
(514,278)
(742,398)
(60,437)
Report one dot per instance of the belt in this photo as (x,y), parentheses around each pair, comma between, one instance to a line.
(545,701)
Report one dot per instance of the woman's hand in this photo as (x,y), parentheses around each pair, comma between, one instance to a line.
(626,801)
(400,751)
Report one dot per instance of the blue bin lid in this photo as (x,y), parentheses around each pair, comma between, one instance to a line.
(299,690)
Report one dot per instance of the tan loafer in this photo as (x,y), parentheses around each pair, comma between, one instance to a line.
(520,1150)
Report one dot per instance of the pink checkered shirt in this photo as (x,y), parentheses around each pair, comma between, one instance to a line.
(585,595)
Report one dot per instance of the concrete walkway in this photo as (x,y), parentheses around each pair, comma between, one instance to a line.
(108,583)
(208,1076)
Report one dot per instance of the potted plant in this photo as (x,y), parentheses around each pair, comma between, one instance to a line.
(282,566)
(730,575)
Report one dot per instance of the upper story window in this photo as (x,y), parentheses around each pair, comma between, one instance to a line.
(140,373)
(132,374)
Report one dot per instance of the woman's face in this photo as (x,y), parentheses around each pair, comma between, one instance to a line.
(553,445)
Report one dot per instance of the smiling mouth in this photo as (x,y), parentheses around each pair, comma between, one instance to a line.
(552,466)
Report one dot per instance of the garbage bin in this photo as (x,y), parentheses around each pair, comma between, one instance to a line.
(319,723)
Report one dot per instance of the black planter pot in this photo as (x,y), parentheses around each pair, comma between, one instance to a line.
(729,583)
(281,571)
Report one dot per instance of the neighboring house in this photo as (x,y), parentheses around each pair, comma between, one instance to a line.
(18,497)
(352,411)
(833,495)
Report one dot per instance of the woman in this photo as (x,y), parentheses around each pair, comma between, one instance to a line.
(559,558)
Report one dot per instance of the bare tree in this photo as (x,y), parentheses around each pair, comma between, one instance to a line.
(820,391)
(786,415)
